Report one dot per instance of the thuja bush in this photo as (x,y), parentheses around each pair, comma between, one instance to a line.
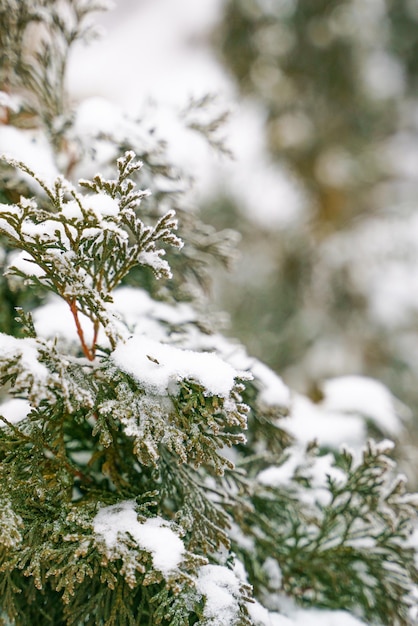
(150,472)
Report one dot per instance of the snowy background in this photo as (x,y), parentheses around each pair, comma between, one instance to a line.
(161,50)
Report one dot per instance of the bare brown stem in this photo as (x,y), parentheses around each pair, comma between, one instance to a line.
(88,353)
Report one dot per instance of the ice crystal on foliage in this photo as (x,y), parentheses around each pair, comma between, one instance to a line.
(10,525)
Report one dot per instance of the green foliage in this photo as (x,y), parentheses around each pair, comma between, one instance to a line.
(334,553)
(144,478)
(93,432)
(80,254)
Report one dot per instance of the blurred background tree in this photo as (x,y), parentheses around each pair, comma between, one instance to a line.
(337,83)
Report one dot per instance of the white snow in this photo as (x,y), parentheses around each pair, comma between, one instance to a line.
(260,616)
(321,469)
(274,573)
(97,115)
(71,209)
(362,543)
(101,204)
(33,149)
(114,522)
(220,587)
(159,366)
(162,42)
(273,391)
(153,260)
(318,617)
(10,523)
(384,446)
(309,421)
(292,615)
(134,304)
(49,231)
(10,102)
(244,541)
(25,349)
(317,470)
(341,416)
(14,410)
(267,192)
(280,475)
(25,263)
(384,268)
(5,227)
(362,396)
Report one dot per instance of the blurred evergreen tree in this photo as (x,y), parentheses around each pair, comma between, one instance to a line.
(338,82)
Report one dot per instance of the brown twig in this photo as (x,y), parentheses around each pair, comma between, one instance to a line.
(88,353)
